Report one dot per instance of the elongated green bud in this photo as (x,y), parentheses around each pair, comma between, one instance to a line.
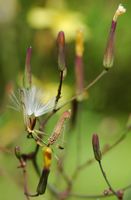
(61,51)
(41,188)
(47,157)
(17,152)
(96,147)
(27,74)
(109,52)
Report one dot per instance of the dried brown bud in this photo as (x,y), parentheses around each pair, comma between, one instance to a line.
(58,128)
(96,147)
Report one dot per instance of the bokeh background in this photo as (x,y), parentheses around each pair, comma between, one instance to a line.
(35,23)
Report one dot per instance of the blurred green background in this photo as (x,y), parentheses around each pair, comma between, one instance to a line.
(35,23)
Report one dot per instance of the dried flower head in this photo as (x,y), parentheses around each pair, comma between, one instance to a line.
(59,127)
(109,52)
(120,10)
(31,102)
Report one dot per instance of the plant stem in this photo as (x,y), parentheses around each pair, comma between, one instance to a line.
(104,152)
(106,179)
(59,89)
(86,88)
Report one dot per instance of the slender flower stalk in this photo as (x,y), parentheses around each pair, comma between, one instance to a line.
(109,52)
(98,157)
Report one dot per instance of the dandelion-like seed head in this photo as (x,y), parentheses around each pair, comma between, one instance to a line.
(31,100)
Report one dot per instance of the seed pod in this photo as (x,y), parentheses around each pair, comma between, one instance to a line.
(58,128)
(96,147)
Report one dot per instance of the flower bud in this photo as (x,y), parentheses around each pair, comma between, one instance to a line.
(109,52)
(41,188)
(120,194)
(27,75)
(47,153)
(17,152)
(96,147)
(61,51)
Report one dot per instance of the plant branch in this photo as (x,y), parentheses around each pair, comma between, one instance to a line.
(104,152)
(86,88)
(59,90)
(106,179)
(82,196)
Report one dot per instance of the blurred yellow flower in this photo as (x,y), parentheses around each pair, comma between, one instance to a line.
(56,20)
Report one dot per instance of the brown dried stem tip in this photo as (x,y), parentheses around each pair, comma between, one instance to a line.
(96,147)
(27,75)
(109,52)
(61,51)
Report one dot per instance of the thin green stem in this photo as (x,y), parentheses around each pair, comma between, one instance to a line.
(106,179)
(97,196)
(86,88)
(104,152)
(59,90)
